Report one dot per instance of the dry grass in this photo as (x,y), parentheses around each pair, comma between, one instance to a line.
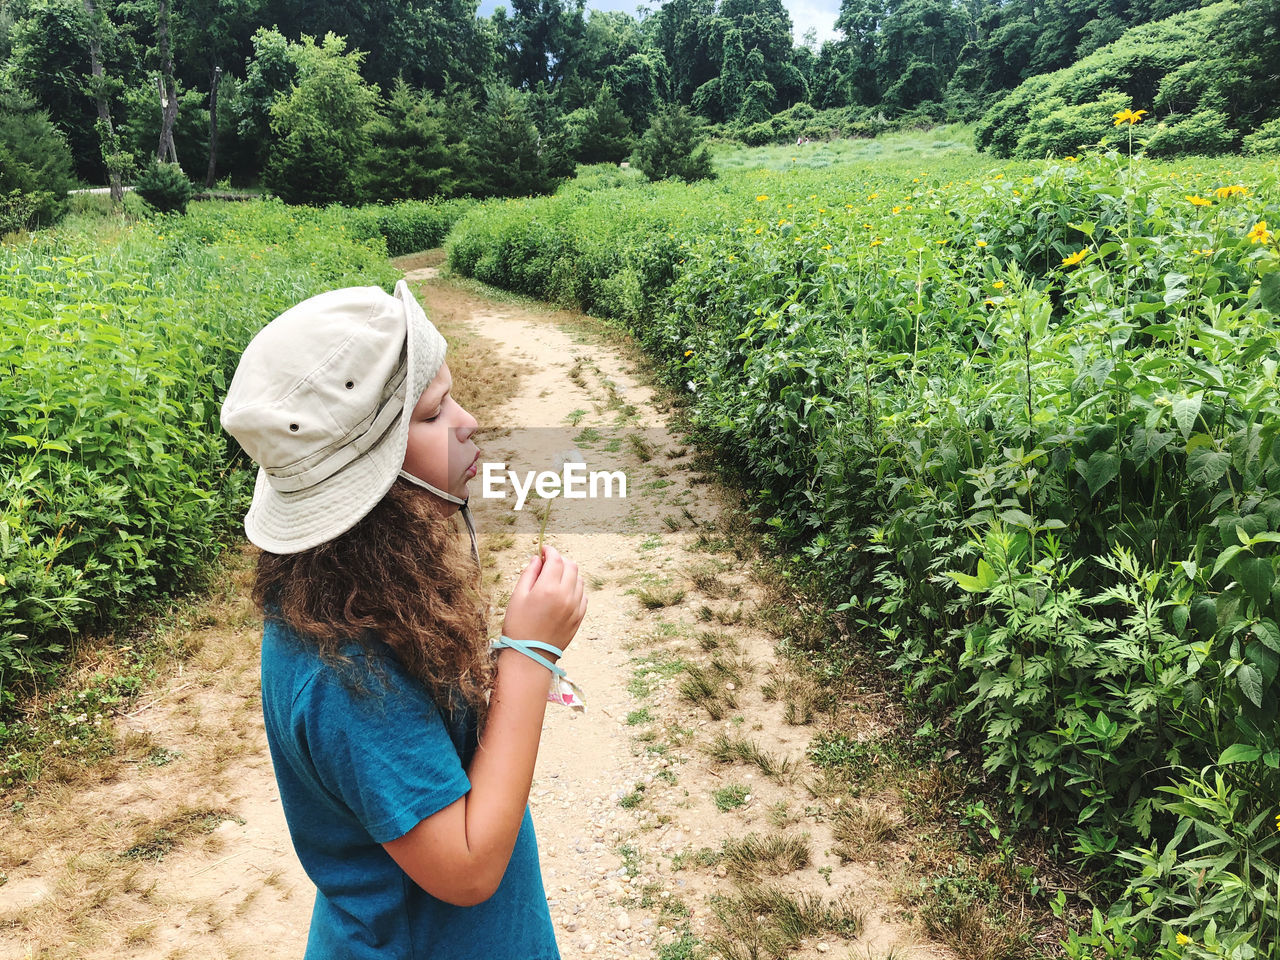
(767,921)
(705,688)
(726,749)
(862,828)
(657,596)
(753,855)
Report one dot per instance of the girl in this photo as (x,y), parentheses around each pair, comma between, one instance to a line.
(403,749)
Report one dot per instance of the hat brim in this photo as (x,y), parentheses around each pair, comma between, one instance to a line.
(289,522)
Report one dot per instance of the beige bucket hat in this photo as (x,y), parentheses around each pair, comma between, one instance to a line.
(321,401)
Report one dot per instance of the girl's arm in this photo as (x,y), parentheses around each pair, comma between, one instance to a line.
(460,853)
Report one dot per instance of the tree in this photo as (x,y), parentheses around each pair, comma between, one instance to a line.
(515,162)
(321,127)
(602,132)
(407,157)
(640,82)
(213,34)
(114,157)
(673,147)
(52,61)
(35,160)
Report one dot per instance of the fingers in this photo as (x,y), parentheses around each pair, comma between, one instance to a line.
(528,576)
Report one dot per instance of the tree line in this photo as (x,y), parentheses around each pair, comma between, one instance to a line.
(278,90)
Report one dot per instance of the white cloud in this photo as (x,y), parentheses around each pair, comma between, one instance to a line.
(818,15)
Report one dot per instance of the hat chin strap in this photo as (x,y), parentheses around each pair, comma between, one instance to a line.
(444,495)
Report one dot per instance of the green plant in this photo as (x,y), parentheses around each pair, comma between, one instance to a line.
(165,188)
(672,147)
(730,797)
(35,165)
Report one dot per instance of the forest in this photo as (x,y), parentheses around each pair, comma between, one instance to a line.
(377,101)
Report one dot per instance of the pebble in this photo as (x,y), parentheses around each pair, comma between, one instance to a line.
(624,922)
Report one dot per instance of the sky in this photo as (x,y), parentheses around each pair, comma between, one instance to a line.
(820,15)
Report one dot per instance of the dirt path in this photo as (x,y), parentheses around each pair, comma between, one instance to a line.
(183,851)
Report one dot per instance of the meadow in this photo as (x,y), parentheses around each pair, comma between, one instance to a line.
(1018,423)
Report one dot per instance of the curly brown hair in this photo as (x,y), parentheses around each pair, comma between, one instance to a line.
(401,573)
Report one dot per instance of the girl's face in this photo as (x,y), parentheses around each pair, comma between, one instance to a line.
(440,449)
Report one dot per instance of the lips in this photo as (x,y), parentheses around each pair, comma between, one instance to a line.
(471,470)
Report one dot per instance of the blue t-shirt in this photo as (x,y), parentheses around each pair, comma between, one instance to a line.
(359,765)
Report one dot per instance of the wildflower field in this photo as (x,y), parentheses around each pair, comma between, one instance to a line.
(1021,424)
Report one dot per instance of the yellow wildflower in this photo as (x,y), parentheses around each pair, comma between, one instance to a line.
(812,196)
(826,246)
(1075,258)
(759,230)
(1071,159)
(1235,190)
(982,243)
(762,198)
(876,243)
(989,303)
(688,353)
(1198,201)
(999,285)
(897,209)
(1259,233)
(1183,939)
(1128,116)
(781,222)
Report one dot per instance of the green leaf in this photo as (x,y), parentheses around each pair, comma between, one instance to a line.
(1204,616)
(1239,753)
(1099,470)
(1249,678)
(1224,558)
(1267,633)
(1178,618)
(1185,411)
(1256,576)
(1269,294)
(1265,659)
(1207,466)
(983,582)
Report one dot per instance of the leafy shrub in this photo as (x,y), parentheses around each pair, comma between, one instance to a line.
(321,126)
(35,164)
(165,187)
(1057,130)
(409,226)
(1021,423)
(1205,131)
(17,210)
(118,484)
(673,147)
(1189,64)
(1264,140)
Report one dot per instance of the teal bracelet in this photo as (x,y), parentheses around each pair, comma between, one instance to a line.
(524,646)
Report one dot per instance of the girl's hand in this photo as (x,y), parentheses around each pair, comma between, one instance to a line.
(548,602)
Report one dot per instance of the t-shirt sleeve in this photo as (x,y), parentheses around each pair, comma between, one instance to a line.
(383,751)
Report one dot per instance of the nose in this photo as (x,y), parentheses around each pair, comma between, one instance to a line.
(468,427)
